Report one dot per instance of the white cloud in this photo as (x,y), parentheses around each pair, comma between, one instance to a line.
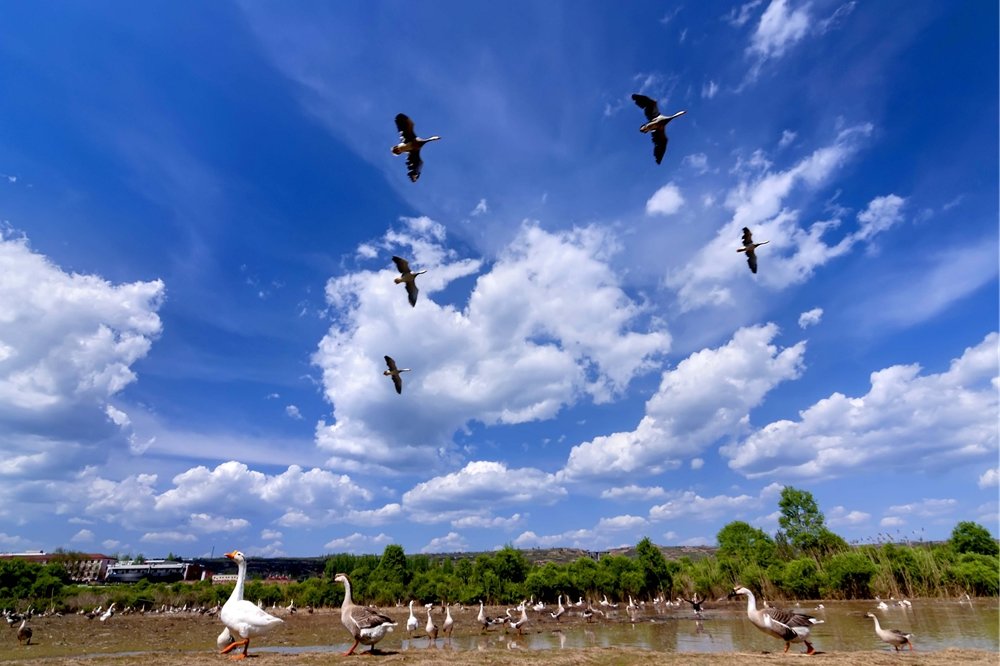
(926,508)
(697,463)
(709,89)
(480,209)
(632,492)
(892,521)
(68,343)
(358,543)
(479,482)
(810,317)
(450,543)
(111,544)
(738,16)
(989,478)
(293,412)
(832,21)
(689,503)
(697,161)
(170,536)
(757,202)
(881,214)
(547,325)
(270,535)
(665,201)
(619,523)
(488,522)
(907,420)
(207,523)
(787,136)
(840,516)
(707,397)
(83,536)
(779,28)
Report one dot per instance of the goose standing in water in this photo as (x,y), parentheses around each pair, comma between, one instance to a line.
(449,622)
(657,123)
(560,609)
(407,277)
(241,617)
(750,248)
(431,628)
(410,144)
(393,372)
(483,618)
(367,625)
(786,625)
(893,637)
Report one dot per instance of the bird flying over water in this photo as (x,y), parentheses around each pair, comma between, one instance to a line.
(393,372)
(657,123)
(410,144)
(407,277)
(750,248)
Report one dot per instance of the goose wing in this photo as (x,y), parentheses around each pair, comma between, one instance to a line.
(365,617)
(747,236)
(390,363)
(412,291)
(647,104)
(397,381)
(659,143)
(402,265)
(752,259)
(405,127)
(413,164)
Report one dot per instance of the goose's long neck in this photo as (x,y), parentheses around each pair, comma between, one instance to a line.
(877,627)
(347,593)
(751,603)
(238,590)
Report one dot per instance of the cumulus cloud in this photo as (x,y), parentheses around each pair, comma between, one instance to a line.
(618,523)
(907,420)
(488,522)
(358,543)
(169,536)
(293,412)
(205,522)
(67,345)
(989,478)
(83,536)
(632,492)
(892,521)
(793,252)
(450,543)
(706,398)
(840,516)
(547,325)
(690,503)
(665,201)
(810,317)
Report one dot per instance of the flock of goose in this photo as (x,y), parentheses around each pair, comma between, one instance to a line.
(411,144)
(368,625)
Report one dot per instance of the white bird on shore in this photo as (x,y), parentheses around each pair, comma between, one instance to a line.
(893,637)
(411,622)
(788,626)
(367,625)
(242,617)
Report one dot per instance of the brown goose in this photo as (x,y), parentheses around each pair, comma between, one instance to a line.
(407,277)
(410,144)
(431,628)
(750,248)
(893,637)
(786,625)
(24,633)
(367,625)
(393,372)
(657,123)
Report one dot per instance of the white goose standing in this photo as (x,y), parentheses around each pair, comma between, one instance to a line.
(893,637)
(367,625)
(411,622)
(241,617)
(786,625)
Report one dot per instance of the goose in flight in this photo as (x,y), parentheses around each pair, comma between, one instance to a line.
(393,372)
(410,144)
(788,626)
(657,123)
(408,278)
(750,248)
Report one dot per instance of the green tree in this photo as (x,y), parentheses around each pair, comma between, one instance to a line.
(803,524)
(743,543)
(656,575)
(970,537)
(849,575)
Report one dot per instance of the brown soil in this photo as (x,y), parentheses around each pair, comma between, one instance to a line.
(168,640)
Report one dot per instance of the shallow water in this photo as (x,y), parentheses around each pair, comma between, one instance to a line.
(935,625)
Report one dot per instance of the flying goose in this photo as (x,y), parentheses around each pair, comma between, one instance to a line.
(393,372)
(410,144)
(786,625)
(407,277)
(750,248)
(657,123)
(243,618)
(367,625)
(893,637)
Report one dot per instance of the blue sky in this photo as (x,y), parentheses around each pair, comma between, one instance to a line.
(199,207)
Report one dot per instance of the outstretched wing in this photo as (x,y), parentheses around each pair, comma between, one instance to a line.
(647,104)
(397,381)
(752,259)
(402,265)
(747,236)
(659,143)
(413,164)
(405,127)
(391,363)
(412,291)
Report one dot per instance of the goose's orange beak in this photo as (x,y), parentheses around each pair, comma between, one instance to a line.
(231,555)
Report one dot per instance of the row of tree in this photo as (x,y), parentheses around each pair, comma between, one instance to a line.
(804,560)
